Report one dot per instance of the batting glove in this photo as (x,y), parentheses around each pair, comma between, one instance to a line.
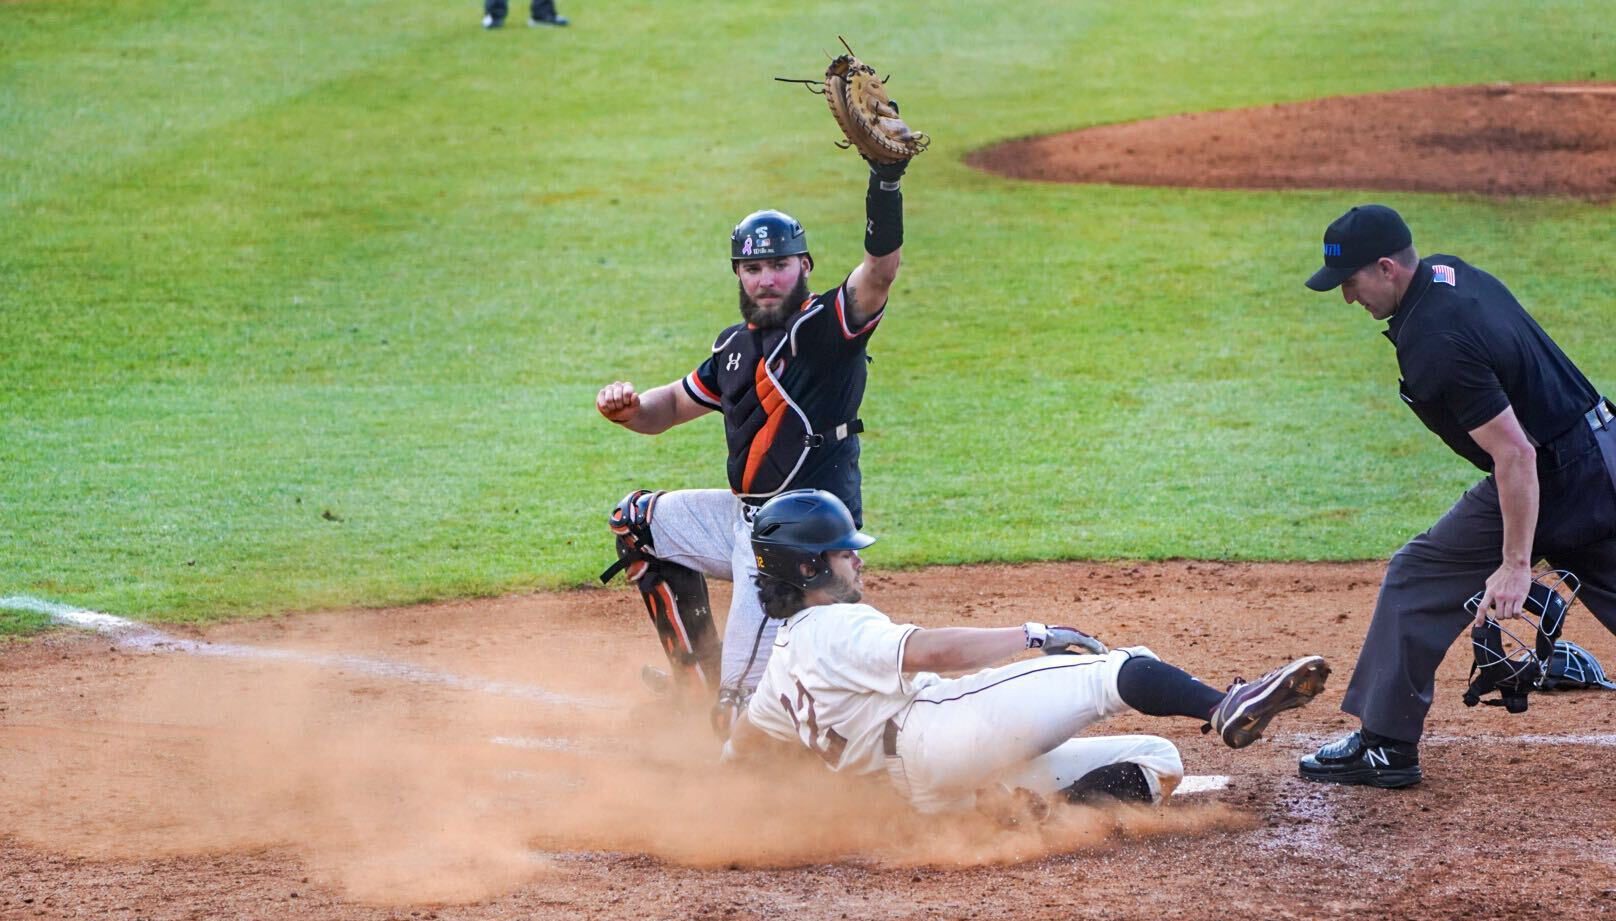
(1054,638)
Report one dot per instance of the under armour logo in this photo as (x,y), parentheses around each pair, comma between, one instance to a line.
(1377,757)
(734,363)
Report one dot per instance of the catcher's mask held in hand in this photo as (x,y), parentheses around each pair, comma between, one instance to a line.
(1517,671)
(868,117)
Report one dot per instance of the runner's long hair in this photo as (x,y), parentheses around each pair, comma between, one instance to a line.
(780,599)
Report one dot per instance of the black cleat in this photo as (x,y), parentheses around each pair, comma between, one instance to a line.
(490,22)
(657,681)
(552,21)
(1245,711)
(1353,760)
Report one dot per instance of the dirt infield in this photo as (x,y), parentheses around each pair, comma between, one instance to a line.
(499,760)
(1497,140)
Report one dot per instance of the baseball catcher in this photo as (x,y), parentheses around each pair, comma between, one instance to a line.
(788,380)
(861,692)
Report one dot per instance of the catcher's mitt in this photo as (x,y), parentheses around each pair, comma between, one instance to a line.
(867,116)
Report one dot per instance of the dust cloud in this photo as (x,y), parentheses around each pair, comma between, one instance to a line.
(400,794)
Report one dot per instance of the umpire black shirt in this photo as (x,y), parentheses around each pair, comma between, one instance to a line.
(1467,350)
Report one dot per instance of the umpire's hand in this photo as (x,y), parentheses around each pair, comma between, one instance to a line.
(1505,594)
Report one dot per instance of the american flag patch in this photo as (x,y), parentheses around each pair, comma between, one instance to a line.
(1445,275)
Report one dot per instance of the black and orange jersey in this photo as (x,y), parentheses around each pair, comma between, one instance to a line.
(790,398)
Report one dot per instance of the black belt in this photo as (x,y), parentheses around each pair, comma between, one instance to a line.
(1571,441)
(748,512)
(1600,416)
(889,739)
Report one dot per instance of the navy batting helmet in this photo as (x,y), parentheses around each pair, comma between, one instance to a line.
(797,527)
(765,235)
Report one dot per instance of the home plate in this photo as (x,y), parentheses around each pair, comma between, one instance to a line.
(1201,783)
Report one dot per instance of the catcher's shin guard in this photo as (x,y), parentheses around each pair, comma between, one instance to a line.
(675,596)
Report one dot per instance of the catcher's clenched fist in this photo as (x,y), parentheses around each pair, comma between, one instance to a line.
(618,402)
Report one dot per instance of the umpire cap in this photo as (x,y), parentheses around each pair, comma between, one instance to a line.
(1357,238)
(797,527)
(766,235)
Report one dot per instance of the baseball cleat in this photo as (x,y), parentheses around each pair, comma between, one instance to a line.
(1245,710)
(657,681)
(551,21)
(489,22)
(1356,760)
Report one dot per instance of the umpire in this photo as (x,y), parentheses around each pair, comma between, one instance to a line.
(1479,372)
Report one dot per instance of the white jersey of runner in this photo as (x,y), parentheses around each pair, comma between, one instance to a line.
(834,682)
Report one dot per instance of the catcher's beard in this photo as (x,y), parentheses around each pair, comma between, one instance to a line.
(773,317)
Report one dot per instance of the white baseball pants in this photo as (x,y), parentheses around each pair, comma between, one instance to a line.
(1015,725)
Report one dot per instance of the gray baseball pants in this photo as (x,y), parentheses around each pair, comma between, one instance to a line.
(1420,610)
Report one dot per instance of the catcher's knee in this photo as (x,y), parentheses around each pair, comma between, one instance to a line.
(630,522)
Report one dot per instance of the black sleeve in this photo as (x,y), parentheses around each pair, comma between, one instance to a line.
(1455,371)
(831,329)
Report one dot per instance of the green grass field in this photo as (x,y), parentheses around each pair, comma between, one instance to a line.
(305,304)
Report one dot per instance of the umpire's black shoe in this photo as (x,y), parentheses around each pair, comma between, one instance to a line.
(1371,762)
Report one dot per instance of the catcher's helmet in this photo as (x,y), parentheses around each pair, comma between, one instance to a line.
(797,527)
(766,235)
(1571,666)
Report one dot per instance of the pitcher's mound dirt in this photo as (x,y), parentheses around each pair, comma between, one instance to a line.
(1499,139)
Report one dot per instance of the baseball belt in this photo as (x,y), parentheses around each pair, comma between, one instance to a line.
(1600,416)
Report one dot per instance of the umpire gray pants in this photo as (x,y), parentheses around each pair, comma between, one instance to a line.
(1420,610)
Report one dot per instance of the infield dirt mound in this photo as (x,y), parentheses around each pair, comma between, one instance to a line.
(1498,140)
(165,784)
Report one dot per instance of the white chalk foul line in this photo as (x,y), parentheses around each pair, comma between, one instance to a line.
(539,743)
(132,635)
